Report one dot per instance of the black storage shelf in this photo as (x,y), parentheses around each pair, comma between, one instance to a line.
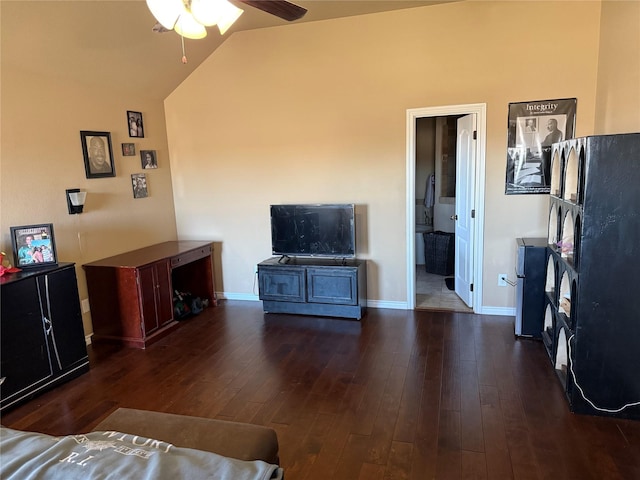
(42,340)
(599,338)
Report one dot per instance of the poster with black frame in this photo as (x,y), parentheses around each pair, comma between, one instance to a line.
(533,127)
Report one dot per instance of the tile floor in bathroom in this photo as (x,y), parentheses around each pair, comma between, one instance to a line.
(432,293)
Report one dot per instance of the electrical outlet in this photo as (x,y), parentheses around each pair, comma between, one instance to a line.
(85,305)
(502,279)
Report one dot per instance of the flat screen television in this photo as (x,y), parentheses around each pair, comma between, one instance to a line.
(323,230)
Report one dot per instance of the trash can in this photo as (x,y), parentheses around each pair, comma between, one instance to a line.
(439,252)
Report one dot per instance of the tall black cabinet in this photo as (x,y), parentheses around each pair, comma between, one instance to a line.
(41,334)
(592,306)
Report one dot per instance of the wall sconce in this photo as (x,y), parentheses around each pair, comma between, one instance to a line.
(75,200)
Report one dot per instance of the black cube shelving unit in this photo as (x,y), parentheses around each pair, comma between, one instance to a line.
(592,324)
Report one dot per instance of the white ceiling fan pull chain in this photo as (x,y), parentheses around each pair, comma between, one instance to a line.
(184,55)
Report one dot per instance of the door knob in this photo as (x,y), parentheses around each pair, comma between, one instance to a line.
(454,217)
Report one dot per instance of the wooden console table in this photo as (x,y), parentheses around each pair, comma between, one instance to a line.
(131,294)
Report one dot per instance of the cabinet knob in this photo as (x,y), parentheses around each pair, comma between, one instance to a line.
(454,217)
(47,324)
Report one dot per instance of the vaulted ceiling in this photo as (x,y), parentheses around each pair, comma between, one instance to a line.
(111,43)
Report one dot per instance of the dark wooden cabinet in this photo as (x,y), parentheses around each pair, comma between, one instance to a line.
(131,294)
(314,286)
(42,338)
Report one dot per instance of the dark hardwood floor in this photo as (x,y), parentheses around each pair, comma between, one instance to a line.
(399,395)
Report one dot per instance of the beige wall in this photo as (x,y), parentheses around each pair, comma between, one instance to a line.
(316,113)
(618,93)
(305,113)
(41,157)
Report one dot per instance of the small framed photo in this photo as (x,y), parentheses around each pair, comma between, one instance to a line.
(134,122)
(139,183)
(98,154)
(128,149)
(34,246)
(149,159)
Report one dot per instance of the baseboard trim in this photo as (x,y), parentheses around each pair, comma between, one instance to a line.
(237,296)
(502,311)
(485,310)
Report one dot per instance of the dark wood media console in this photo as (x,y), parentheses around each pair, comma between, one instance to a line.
(131,294)
(313,286)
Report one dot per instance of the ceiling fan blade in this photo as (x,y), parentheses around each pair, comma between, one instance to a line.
(280,8)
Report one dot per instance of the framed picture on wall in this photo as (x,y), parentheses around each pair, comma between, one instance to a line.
(33,246)
(98,154)
(149,159)
(139,183)
(128,149)
(533,127)
(134,123)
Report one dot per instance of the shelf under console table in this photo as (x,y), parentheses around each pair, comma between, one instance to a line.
(312,286)
(131,294)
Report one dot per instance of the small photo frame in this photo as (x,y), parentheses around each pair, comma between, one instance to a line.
(128,149)
(34,246)
(139,183)
(149,159)
(98,154)
(134,124)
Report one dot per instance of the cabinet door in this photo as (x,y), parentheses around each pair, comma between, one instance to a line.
(332,285)
(164,295)
(285,284)
(24,354)
(155,296)
(62,308)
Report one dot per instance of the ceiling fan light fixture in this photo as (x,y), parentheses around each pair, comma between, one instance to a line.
(166,11)
(206,12)
(229,13)
(188,27)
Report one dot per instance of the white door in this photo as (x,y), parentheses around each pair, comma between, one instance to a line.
(464,221)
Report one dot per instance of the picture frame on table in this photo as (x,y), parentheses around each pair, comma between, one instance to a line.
(98,154)
(34,246)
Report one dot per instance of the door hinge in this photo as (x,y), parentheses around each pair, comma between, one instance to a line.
(471,287)
(473,213)
(475,134)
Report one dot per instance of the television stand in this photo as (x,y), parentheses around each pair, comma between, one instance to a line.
(314,286)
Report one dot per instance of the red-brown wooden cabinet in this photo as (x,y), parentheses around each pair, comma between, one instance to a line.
(131,294)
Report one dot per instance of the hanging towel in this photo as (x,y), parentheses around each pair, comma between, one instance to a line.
(430,191)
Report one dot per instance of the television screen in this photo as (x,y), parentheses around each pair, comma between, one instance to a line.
(313,230)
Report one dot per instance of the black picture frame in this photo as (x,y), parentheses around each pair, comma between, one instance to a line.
(533,127)
(34,246)
(98,154)
(139,184)
(148,159)
(135,125)
(128,149)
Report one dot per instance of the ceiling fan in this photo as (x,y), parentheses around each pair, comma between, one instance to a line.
(280,8)
(189,17)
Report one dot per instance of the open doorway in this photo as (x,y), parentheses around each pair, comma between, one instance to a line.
(445,192)
(435,172)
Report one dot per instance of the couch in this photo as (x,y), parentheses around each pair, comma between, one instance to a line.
(145,444)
